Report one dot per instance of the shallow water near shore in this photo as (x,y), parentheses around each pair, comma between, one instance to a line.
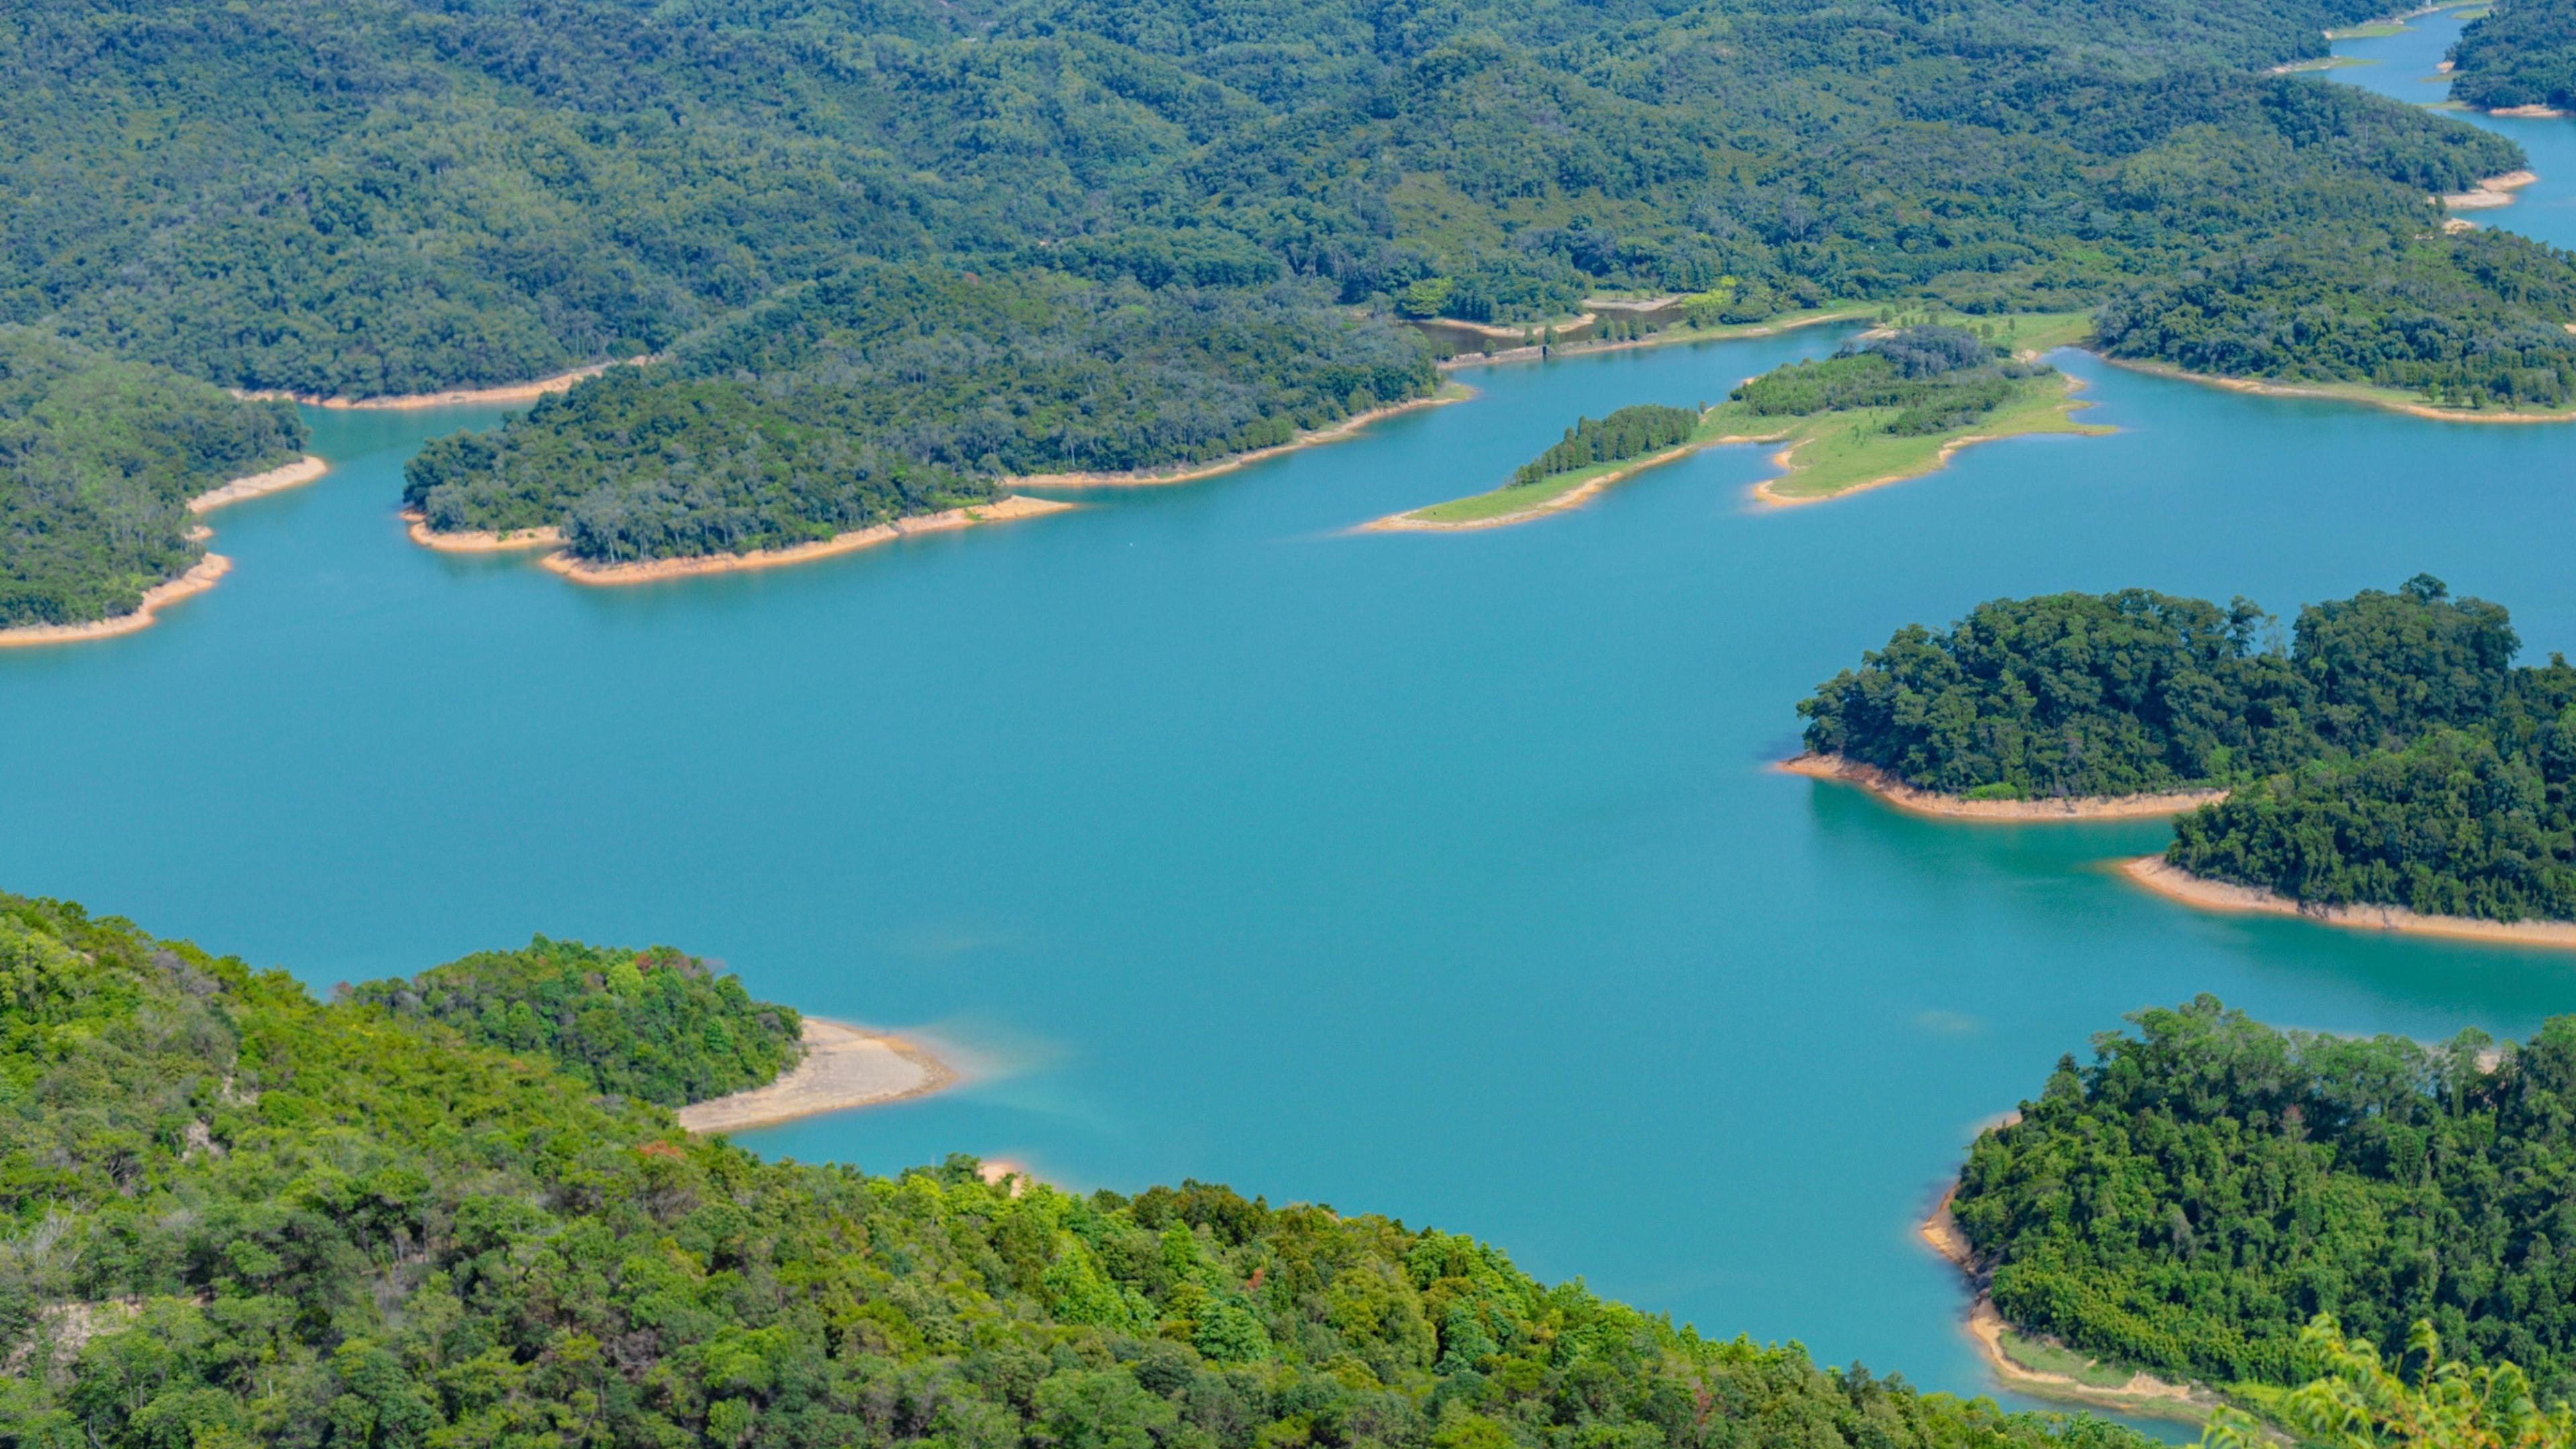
(2404,66)
(1434,875)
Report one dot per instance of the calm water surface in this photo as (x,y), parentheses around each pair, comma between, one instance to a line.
(1432,875)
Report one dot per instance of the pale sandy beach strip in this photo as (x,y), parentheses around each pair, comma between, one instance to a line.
(291,475)
(195,581)
(2494,190)
(478,540)
(1001,510)
(2172,881)
(844,1067)
(455,397)
(1951,807)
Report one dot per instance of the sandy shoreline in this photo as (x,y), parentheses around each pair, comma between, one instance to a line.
(1670,336)
(1154,478)
(1574,497)
(2495,190)
(1001,510)
(2175,883)
(2330,393)
(1950,807)
(844,1067)
(291,475)
(479,540)
(454,397)
(195,581)
(2144,1393)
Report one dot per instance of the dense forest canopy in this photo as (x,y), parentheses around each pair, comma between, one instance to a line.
(886,391)
(2190,1199)
(2521,53)
(98,459)
(234,1215)
(2135,691)
(657,1025)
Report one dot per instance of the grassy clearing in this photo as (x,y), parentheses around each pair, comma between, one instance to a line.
(2050,1358)
(2375,30)
(2330,62)
(1832,453)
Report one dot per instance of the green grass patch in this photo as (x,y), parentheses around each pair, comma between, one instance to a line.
(2375,30)
(2050,1358)
(2330,62)
(1523,497)
(1832,453)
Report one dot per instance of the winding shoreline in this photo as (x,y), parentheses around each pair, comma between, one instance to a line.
(195,581)
(2493,190)
(2173,882)
(1001,510)
(2333,392)
(1916,800)
(2144,1393)
(844,1067)
(453,397)
(1331,433)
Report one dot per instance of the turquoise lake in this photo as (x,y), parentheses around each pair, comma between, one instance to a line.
(1438,876)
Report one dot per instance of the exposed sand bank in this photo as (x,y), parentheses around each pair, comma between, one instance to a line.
(2172,881)
(478,540)
(1573,497)
(1670,336)
(195,581)
(2346,392)
(999,511)
(1154,477)
(2142,1394)
(1927,802)
(290,475)
(843,1067)
(2534,112)
(2496,190)
(457,397)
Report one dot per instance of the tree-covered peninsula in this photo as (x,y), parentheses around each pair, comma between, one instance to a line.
(2521,53)
(659,1025)
(2187,1201)
(2136,692)
(98,459)
(231,1214)
(368,197)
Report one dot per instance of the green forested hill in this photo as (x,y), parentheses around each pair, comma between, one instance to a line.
(2188,1201)
(382,196)
(231,1215)
(98,459)
(2522,53)
(659,1025)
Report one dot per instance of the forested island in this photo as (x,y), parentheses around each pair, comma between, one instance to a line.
(1117,239)
(2389,754)
(237,1215)
(2519,56)
(99,459)
(2187,1201)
